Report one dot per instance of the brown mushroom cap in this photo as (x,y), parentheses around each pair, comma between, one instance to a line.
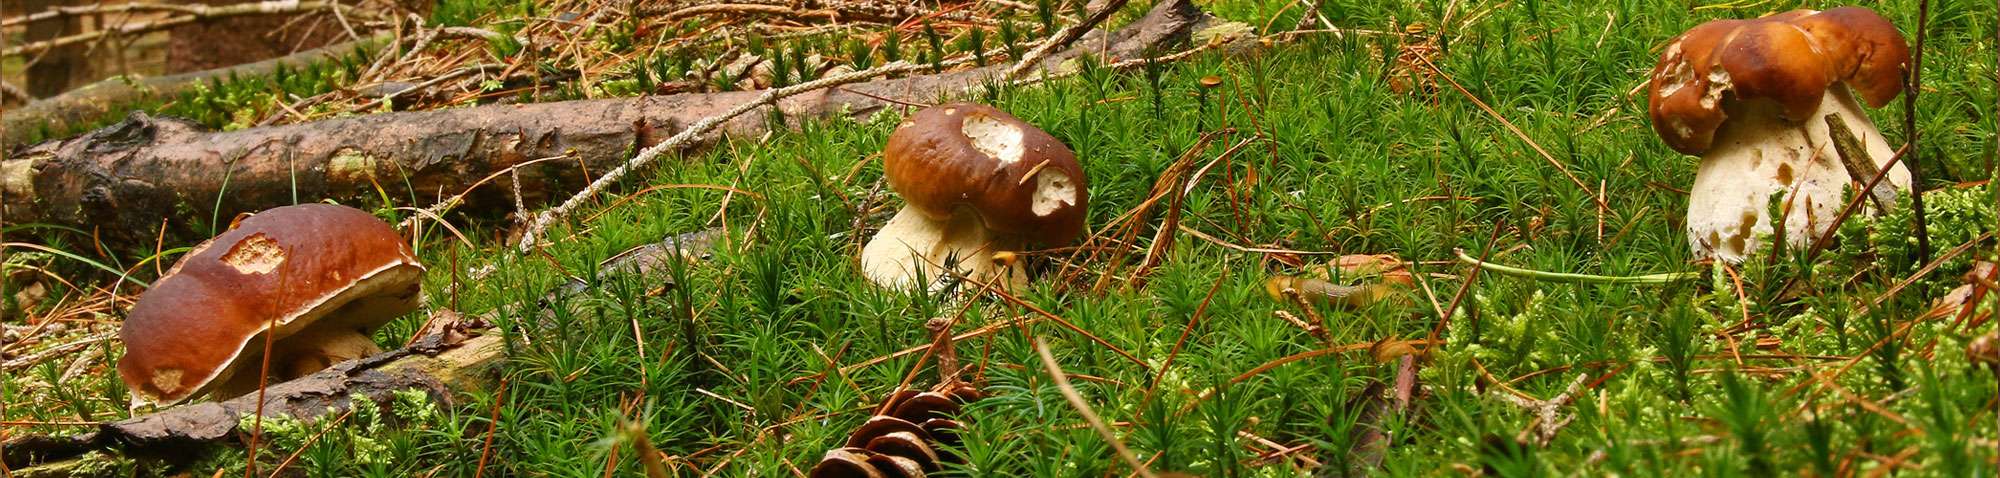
(1791,58)
(964,155)
(299,267)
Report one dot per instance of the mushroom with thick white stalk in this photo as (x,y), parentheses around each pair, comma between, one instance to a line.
(978,182)
(1751,98)
(316,278)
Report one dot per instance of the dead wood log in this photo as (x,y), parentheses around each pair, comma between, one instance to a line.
(91,103)
(125,179)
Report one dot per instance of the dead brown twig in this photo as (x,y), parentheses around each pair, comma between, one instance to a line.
(1083,408)
(1061,39)
(56,351)
(531,237)
(1601,203)
(1549,418)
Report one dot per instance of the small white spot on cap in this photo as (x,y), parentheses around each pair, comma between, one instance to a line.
(1053,191)
(1718,83)
(167,380)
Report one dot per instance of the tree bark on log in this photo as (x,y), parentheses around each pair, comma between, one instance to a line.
(91,103)
(125,179)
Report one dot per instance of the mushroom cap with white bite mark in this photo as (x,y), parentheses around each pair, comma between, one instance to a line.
(1752,98)
(317,277)
(977,181)
(1016,177)
(1791,58)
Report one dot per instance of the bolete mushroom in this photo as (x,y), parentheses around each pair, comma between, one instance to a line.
(1751,97)
(319,278)
(977,182)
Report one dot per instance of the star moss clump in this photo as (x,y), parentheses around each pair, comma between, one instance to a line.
(1955,216)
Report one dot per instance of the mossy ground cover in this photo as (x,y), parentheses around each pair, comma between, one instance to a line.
(1331,144)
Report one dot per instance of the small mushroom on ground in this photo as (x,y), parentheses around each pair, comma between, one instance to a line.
(978,182)
(1751,96)
(320,278)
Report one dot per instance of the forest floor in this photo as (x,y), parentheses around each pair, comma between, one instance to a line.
(1514,131)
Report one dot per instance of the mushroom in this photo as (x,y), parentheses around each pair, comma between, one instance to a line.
(319,278)
(978,182)
(1751,98)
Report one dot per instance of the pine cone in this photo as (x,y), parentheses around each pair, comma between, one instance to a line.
(908,441)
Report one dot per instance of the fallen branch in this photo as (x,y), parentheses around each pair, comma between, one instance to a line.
(123,179)
(831,12)
(1064,38)
(93,10)
(9,91)
(541,222)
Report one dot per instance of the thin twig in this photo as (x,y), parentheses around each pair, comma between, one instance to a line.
(56,351)
(532,236)
(329,426)
(426,84)
(492,427)
(1548,413)
(1083,408)
(1061,39)
(1601,203)
(1910,90)
(1662,278)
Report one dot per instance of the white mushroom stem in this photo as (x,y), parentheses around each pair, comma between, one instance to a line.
(297,356)
(1757,153)
(912,248)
